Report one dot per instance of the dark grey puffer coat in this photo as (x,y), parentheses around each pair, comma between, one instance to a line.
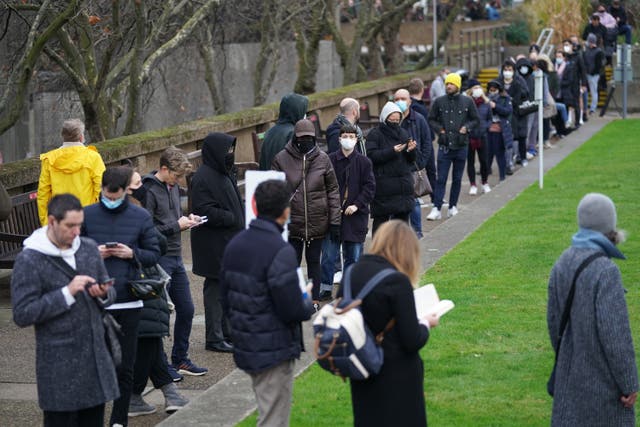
(312,181)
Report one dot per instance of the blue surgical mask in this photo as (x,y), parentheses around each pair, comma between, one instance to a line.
(402,105)
(111,204)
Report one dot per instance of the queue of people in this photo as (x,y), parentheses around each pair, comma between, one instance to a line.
(101,225)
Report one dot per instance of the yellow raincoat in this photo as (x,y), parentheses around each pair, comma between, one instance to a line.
(75,169)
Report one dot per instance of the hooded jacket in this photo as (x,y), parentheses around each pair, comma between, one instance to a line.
(519,92)
(74,169)
(293,107)
(392,171)
(214,194)
(163,203)
(315,201)
(74,369)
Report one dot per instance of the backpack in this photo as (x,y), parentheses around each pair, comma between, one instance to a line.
(344,345)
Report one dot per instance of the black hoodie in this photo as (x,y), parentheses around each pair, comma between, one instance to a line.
(214,194)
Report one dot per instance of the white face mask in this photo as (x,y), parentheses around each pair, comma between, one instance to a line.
(477,92)
(567,49)
(347,143)
(524,70)
(508,74)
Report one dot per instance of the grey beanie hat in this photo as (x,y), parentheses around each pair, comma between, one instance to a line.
(592,39)
(597,212)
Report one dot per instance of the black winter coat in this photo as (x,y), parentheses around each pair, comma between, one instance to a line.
(127,224)
(519,92)
(394,397)
(417,127)
(394,181)
(214,194)
(449,113)
(261,297)
(356,181)
(315,202)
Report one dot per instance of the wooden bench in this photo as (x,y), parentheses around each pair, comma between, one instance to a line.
(23,220)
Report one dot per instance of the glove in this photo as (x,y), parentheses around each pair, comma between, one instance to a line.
(334,233)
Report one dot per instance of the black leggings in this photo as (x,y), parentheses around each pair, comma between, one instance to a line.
(312,250)
(379,220)
(150,364)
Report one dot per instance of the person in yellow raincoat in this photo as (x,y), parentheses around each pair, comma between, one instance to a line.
(72,168)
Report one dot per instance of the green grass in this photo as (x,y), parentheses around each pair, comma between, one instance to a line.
(488,362)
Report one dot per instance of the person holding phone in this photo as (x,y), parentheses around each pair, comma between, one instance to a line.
(393,153)
(59,285)
(126,236)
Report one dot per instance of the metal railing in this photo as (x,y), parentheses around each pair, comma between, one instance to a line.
(476,48)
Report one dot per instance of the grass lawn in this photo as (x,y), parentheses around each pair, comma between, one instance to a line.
(488,362)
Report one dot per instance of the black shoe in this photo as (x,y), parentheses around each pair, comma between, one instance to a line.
(509,171)
(325,296)
(220,347)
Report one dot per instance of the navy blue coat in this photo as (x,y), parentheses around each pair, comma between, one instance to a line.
(504,110)
(416,125)
(354,173)
(260,294)
(127,224)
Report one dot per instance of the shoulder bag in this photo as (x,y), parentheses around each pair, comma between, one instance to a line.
(551,384)
(148,282)
(421,184)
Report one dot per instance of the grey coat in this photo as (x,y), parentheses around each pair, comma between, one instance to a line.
(74,369)
(596,364)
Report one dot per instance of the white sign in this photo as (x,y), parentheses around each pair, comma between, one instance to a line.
(251,181)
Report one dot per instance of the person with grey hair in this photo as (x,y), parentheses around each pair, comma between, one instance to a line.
(72,168)
(595,379)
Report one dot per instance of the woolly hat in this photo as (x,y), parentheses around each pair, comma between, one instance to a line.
(473,82)
(592,39)
(454,79)
(597,212)
(304,127)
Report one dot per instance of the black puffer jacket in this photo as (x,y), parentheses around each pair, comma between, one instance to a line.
(316,202)
(260,294)
(392,170)
(127,224)
(214,194)
(450,113)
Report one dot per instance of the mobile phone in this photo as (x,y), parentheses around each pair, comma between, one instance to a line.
(109,282)
(111,244)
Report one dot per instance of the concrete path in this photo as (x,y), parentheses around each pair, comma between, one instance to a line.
(224,396)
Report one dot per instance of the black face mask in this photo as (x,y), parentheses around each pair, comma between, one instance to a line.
(229,160)
(393,125)
(139,193)
(305,144)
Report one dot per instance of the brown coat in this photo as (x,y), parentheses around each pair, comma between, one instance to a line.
(316,202)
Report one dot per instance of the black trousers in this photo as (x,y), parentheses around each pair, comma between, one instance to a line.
(379,220)
(89,417)
(215,324)
(150,364)
(312,250)
(483,158)
(128,320)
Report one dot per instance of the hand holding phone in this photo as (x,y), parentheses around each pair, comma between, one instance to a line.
(111,245)
(202,220)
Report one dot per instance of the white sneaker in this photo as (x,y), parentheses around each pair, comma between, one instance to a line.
(486,188)
(434,215)
(529,156)
(525,163)
(337,277)
(452,212)
(473,190)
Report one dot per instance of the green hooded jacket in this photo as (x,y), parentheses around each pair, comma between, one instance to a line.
(293,107)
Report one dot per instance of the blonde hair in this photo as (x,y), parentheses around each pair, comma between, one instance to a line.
(72,130)
(397,243)
(175,160)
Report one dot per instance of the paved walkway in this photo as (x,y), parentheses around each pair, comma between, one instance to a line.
(224,396)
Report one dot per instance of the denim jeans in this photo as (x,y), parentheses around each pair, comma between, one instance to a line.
(351,252)
(593,79)
(562,111)
(626,30)
(416,219)
(180,294)
(129,319)
(447,158)
(497,150)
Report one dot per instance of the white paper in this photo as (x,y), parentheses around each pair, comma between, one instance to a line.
(428,302)
(301,281)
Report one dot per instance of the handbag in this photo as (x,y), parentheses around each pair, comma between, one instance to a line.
(421,184)
(527,107)
(148,282)
(551,383)
(112,328)
(550,110)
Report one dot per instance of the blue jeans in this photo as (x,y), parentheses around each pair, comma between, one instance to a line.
(416,219)
(447,158)
(562,110)
(351,252)
(626,30)
(180,294)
